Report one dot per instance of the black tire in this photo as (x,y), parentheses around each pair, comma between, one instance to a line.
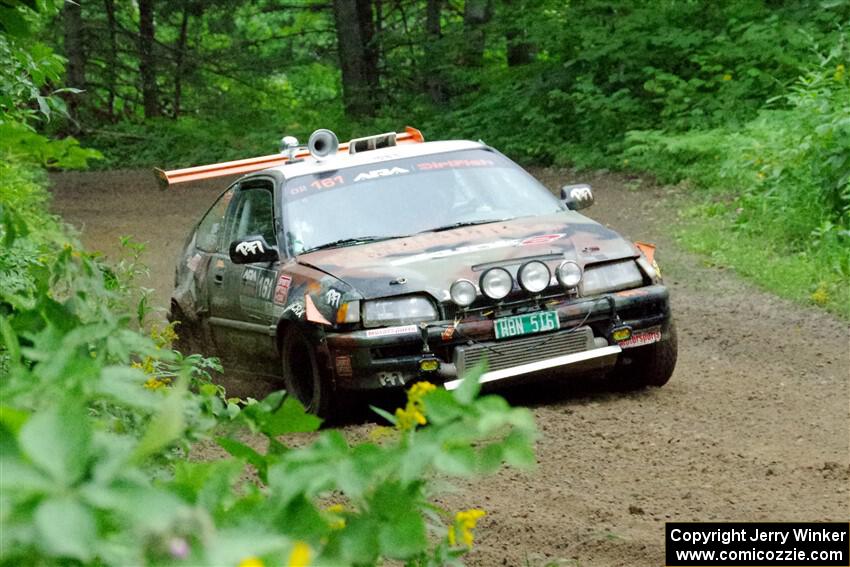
(302,375)
(651,365)
(188,335)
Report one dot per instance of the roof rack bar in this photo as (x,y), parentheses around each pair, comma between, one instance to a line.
(174,176)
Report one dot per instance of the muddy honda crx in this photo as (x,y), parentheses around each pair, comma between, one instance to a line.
(387,260)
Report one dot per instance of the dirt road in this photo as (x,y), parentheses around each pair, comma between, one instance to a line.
(754,425)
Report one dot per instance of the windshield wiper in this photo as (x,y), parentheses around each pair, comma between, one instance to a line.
(349,242)
(464,223)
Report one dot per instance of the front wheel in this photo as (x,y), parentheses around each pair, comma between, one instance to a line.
(302,375)
(651,365)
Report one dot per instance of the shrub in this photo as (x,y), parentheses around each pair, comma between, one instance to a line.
(783,177)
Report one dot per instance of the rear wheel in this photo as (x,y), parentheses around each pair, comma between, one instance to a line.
(650,365)
(188,335)
(302,375)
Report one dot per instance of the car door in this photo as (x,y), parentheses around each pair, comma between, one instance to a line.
(239,293)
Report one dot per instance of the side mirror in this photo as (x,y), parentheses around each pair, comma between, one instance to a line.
(577,197)
(251,250)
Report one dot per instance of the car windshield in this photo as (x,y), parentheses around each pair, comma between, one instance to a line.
(390,199)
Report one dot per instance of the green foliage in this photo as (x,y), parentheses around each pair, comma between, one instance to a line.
(29,67)
(781,182)
(19,143)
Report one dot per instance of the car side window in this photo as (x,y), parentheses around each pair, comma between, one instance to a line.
(253,214)
(211,226)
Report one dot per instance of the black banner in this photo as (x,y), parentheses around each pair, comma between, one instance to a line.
(765,544)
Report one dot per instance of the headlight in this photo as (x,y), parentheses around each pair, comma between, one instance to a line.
(463,292)
(569,274)
(398,311)
(611,277)
(534,276)
(496,283)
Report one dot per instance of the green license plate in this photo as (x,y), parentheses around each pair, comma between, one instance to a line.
(526,324)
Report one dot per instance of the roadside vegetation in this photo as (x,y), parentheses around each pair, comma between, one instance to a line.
(98,415)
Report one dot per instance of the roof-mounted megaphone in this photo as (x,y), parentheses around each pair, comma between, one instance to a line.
(322,143)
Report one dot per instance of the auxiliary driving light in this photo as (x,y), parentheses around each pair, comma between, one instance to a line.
(463,293)
(429,365)
(620,333)
(534,276)
(496,283)
(569,274)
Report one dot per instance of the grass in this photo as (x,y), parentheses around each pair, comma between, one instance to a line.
(805,277)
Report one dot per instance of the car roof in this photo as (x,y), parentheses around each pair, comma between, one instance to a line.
(310,165)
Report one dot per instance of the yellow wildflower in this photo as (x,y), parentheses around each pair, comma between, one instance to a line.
(727,77)
(163,336)
(337,521)
(820,295)
(252,562)
(154,383)
(413,413)
(300,555)
(464,524)
(418,390)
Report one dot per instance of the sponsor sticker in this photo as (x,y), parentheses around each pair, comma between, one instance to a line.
(343,365)
(541,239)
(637,292)
(281,290)
(641,338)
(296,308)
(193,263)
(392,331)
(332,298)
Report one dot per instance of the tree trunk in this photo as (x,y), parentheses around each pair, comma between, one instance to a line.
(178,68)
(357,97)
(520,51)
(370,46)
(111,57)
(76,70)
(433,52)
(476,13)
(147,61)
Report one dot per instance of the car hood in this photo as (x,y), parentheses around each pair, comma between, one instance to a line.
(429,262)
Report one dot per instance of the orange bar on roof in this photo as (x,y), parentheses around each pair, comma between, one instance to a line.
(240,166)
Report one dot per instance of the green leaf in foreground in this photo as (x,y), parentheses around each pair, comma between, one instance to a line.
(290,417)
(66,528)
(57,441)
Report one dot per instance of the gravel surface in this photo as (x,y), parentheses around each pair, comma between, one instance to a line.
(754,425)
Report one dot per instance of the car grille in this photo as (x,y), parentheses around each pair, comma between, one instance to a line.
(514,352)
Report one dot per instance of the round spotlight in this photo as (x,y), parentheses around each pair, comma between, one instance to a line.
(463,293)
(534,276)
(496,283)
(569,274)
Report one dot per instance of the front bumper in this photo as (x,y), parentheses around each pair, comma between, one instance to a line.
(384,358)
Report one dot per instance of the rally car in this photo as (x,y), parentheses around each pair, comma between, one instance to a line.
(342,268)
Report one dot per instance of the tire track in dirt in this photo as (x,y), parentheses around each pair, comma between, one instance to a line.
(754,425)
